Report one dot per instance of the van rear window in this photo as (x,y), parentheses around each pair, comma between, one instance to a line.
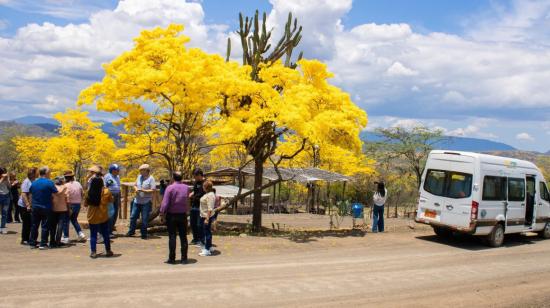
(448,184)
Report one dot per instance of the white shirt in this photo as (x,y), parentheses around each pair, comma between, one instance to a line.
(25,188)
(378,199)
(208,202)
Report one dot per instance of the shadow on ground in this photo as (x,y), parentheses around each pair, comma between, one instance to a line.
(476,243)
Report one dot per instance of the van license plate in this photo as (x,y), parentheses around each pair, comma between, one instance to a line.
(430,214)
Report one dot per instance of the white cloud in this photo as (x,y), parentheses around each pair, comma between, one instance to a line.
(398,69)
(62,60)
(524,137)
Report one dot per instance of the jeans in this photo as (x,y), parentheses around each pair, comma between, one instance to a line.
(55,225)
(145,211)
(39,219)
(4,206)
(378,218)
(26,224)
(177,224)
(73,219)
(194,221)
(104,230)
(116,208)
(206,234)
(9,219)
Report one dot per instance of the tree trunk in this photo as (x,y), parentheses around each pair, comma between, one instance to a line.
(257,207)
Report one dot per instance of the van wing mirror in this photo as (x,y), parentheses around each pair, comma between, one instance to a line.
(476,187)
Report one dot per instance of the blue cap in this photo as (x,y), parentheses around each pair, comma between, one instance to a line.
(114,167)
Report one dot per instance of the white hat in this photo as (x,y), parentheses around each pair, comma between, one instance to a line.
(144,167)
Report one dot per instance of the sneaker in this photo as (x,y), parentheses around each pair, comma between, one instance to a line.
(212,249)
(130,234)
(100,239)
(24,243)
(4,231)
(93,255)
(205,253)
(42,247)
(184,261)
(112,235)
(65,240)
(81,236)
(109,254)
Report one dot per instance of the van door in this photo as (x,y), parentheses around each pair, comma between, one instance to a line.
(530,201)
(543,204)
(515,216)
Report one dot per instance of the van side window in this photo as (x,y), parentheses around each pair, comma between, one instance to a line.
(448,184)
(544,192)
(494,188)
(516,189)
(435,182)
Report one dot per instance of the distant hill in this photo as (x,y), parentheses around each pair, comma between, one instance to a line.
(50,125)
(455,143)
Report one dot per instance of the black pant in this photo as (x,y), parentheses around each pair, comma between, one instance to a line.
(18,210)
(177,223)
(194,221)
(26,225)
(55,228)
(39,219)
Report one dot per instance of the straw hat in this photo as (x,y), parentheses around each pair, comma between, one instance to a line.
(144,167)
(68,173)
(94,169)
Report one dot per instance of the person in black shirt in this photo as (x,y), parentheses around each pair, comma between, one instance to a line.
(195,196)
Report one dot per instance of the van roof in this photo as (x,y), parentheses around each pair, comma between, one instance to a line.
(486,158)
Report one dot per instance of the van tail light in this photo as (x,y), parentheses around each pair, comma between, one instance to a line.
(475,207)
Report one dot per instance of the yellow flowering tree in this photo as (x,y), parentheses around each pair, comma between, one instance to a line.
(288,106)
(164,92)
(80,143)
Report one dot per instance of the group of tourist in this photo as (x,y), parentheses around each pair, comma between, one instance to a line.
(51,206)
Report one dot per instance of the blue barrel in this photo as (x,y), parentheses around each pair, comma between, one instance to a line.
(357,210)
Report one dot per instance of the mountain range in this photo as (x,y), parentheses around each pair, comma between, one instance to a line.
(49,125)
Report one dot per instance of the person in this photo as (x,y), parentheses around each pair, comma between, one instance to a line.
(145,186)
(75,193)
(207,203)
(112,182)
(173,210)
(25,205)
(59,213)
(379,198)
(14,193)
(41,191)
(196,195)
(97,200)
(4,198)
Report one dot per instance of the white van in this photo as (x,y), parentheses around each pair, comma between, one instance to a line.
(483,195)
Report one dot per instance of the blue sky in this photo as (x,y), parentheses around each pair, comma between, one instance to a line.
(474,68)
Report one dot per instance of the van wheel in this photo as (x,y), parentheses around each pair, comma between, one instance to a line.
(442,232)
(545,233)
(496,237)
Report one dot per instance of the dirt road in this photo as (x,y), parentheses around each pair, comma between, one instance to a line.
(392,269)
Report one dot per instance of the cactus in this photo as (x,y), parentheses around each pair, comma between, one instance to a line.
(255,42)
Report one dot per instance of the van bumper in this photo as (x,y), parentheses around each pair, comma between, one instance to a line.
(469,230)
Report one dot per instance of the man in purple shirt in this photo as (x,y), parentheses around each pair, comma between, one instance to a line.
(173,210)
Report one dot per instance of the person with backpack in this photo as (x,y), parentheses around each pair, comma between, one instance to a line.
(173,211)
(379,199)
(41,191)
(194,218)
(97,202)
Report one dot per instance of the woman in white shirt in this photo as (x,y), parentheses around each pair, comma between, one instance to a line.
(379,199)
(207,203)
